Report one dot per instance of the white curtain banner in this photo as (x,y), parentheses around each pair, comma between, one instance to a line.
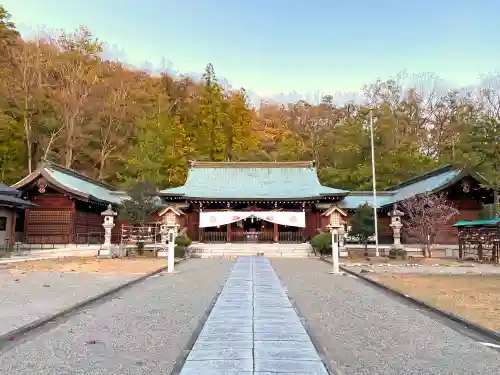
(214,219)
(292,219)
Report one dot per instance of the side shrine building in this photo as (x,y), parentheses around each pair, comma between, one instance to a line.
(234,202)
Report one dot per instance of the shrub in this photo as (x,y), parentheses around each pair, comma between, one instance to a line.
(140,248)
(322,243)
(398,254)
(179,251)
(183,240)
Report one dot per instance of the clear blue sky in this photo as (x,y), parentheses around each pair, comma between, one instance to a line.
(272,46)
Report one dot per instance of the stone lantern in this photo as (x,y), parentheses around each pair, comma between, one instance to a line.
(396,225)
(108,224)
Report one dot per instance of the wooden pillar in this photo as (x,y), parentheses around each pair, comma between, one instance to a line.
(228,233)
(460,248)
(200,234)
(275,233)
(12,229)
(26,226)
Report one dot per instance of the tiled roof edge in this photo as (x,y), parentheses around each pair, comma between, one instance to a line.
(411,181)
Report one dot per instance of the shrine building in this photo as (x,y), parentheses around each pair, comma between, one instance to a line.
(285,202)
(233,202)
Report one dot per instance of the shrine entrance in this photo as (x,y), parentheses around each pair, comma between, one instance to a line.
(252,227)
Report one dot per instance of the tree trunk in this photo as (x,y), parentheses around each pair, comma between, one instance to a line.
(427,250)
(366,248)
(27,133)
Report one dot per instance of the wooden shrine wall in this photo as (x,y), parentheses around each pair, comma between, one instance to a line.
(51,221)
(314,223)
(88,228)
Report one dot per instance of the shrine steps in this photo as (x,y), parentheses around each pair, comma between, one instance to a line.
(203,250)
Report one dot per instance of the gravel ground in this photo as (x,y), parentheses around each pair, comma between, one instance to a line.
(141,331)
(27,297)
(364,331)
(430,270)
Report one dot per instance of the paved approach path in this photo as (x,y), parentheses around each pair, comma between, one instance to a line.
(362,330)
(253,329)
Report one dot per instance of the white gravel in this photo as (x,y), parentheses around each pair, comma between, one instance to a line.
(141,331)
(365,331)
(27,297)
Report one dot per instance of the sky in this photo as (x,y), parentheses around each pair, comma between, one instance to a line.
(282,46)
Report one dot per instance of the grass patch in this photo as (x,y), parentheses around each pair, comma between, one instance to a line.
(473,297)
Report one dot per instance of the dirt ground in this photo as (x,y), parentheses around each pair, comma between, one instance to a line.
(422,261)
(474,297)
(126,266)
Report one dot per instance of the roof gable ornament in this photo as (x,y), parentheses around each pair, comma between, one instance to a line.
(170,209)
(334,208)
(42,185)
(465,186)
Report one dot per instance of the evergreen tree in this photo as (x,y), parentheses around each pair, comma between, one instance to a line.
(363,225)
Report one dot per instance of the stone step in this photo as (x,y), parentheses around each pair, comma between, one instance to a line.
(236,255)
(254,252)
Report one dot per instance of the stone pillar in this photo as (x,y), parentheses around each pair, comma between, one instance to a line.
(396,226)
(108,225)
(162,253)
(342,249)
(172,234)
(334,230)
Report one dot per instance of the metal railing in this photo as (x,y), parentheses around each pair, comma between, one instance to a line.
(250,237)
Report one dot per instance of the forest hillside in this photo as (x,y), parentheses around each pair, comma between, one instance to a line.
(61,100)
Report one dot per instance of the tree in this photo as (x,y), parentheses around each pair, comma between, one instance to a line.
(76,71)
(425,215)
(11,149)
(138,209)
(363,225)
(211,140)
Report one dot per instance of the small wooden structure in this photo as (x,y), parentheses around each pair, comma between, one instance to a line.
(479,238)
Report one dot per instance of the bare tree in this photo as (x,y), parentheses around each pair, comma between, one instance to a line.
(425,215)
(30,62)
(76,72)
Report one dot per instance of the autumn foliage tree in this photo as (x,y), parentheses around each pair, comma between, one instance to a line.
(425,215)
(64,99)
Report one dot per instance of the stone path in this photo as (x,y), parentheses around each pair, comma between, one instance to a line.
(253,329)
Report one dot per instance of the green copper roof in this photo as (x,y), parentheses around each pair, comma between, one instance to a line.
(477,223)
(253,181)
(431,182)
(356,199)
(72,182)
(84,186)
(424,184)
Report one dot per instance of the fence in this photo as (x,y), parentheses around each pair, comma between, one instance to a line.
(251,237)
(50,242)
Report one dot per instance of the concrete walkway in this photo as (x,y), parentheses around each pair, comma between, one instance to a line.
(253,329)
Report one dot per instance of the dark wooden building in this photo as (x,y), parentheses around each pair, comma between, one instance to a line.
(12,206)
(68,206)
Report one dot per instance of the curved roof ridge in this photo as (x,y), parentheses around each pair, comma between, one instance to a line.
(252,164)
